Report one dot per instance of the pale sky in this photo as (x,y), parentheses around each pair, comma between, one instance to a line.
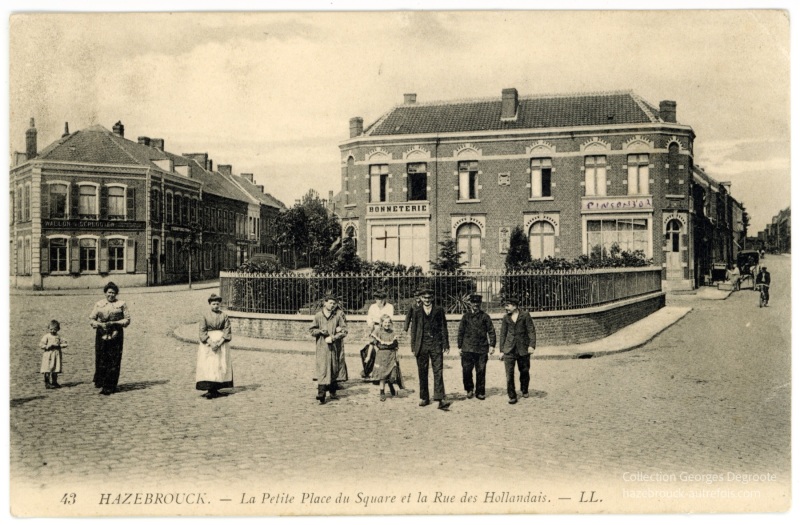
(273,93)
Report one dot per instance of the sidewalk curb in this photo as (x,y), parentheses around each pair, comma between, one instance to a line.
(581,351)
(132,290)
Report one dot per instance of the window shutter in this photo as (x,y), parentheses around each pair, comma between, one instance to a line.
(44,265)
(131,204)
(75,256)
(74,201)
(103,256)
(103,202)
(130,256)
(45,206)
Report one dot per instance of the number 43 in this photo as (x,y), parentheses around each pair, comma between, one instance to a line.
(68,499)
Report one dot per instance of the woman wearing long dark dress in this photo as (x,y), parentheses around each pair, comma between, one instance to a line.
(109,318)
(214,367)
(329,329)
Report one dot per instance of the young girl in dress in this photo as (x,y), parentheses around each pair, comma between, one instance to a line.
(386,368)
(51,344)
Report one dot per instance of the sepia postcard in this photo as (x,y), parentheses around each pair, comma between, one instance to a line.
(315,263)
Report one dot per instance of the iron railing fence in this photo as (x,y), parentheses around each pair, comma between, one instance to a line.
(292,293)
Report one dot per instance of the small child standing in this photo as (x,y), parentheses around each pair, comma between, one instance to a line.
(51,344)
(387,369)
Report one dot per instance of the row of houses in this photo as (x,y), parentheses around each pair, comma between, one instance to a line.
(94,206)
(777,236)
(588,173)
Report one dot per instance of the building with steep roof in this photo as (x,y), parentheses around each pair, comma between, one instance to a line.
(94,206)
(581,173)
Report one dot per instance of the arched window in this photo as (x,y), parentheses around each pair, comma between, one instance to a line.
(468,239)
(674,235)
(542,239)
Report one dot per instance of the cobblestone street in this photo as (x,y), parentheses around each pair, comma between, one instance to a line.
(710,394)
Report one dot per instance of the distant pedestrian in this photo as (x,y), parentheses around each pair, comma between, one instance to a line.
(329,329)
(109,318)
(517,342)
(429,343)
(734,276)
(475,335)
(51,344)
(214,366)
(387,370)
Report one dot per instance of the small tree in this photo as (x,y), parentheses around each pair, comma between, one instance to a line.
(192,246)
(519,251)
(449,259)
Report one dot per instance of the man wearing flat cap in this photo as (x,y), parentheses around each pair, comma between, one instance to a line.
(429,341)
(475,336)
(517,342)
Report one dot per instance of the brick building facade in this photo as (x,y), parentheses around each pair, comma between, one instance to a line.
(94,206)
(581,174)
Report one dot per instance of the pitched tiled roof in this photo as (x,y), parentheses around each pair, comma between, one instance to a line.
(263,198)
(545,111)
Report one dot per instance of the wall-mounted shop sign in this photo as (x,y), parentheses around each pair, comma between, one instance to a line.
(616,204)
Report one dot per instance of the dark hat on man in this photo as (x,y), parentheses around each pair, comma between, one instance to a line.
(476,298)
(214,298)
(425,291)
(511,299)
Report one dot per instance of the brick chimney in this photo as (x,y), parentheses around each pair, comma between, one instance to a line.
(248,176)
(157,143)
(30,141)
(260,188)
(144,141)
(666,110)
(356,126)
(66,130)
(119,129)
(200,158)
(510,103)
(225,169)
(410,98)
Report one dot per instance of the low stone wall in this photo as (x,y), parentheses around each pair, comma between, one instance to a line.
(552,328)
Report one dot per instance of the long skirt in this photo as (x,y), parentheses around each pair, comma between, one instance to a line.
(387,368)
(214,368)
(51,362)
(108,360)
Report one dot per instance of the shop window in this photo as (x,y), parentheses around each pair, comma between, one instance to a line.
(608,237)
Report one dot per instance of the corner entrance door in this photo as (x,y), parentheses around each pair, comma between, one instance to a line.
(674,264)
(156,258)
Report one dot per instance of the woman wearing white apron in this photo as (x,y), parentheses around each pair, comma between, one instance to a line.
(214,370)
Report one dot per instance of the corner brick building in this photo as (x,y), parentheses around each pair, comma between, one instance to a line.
(94,206)
(580,173)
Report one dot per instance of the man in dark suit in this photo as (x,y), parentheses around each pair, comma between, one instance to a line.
(429,341)
(764,279)
(517,342)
